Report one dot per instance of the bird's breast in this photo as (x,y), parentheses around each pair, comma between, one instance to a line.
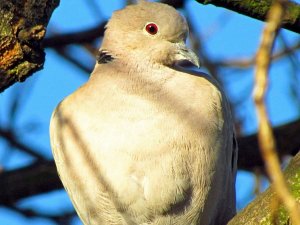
(140,145)
(146,151)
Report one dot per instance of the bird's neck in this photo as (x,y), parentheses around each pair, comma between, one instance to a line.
(131,75)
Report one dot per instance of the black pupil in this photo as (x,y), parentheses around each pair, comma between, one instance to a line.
(151,28)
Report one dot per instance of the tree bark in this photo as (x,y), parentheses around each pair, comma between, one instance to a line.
(258,9)
(22,29)
(35,179)
(260,210)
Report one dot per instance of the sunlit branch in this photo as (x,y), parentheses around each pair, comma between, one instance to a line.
(259,9)
(265,135)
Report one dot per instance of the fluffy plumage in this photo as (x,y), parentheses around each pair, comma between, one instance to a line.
(144,142)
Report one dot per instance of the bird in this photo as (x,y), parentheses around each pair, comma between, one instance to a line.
(146,140)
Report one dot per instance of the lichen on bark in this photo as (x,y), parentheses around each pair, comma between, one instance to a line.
(260,211)
(258,9)
(22,29)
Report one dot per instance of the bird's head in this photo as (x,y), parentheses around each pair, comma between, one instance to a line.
(149,31)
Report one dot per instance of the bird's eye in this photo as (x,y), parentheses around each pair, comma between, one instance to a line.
(151,28)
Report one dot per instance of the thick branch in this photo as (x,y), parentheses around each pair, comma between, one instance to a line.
(258,10)
(260,210)
(34,179)
(22,28)
(287,143)
(42,177)
(78,37)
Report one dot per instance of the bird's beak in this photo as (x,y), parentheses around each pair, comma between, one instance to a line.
(184,54)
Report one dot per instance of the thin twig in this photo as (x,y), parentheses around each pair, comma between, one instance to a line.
(11,138)
(265,135)
(246,63)
(63,52)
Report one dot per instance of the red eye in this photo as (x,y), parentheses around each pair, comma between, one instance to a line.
(152,28)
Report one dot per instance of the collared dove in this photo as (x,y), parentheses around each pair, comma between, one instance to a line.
(144,141)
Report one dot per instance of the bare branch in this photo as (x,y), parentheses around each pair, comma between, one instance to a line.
(22,28)
(265,135)
(75,61)
(14,142)
(35,179)
(62,219)
(287,144)
(260,210)
(78,37)
(259,9)
(246,63)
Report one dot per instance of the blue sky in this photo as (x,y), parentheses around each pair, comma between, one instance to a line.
(225,35)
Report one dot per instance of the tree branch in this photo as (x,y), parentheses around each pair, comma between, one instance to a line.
(10,137)
(78,37)
(287,144)
(247,63)
(258,10)
(22,26)
(260,210)
(35,179)
(266,138)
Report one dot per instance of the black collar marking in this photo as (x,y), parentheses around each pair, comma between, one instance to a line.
(104,57)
